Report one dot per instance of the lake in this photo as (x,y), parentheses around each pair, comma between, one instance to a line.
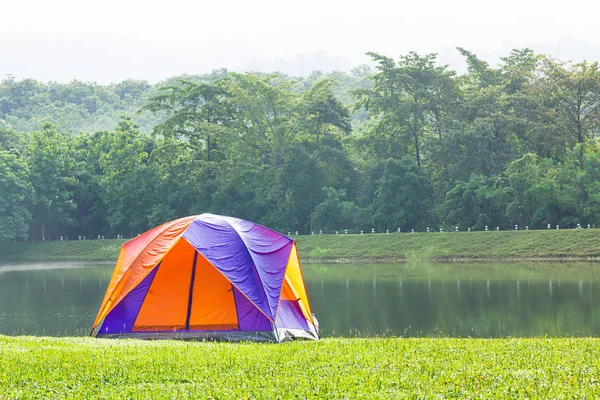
(415,299)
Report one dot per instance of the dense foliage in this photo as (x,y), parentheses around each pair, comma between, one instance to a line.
(409,145)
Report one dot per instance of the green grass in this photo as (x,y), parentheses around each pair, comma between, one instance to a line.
(516,245)
(332,368)
(520,245)
(34,252)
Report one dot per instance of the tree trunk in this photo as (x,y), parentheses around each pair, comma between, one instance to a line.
(208,149)
(417,152)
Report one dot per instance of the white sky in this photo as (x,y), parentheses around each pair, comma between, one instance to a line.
(110,40)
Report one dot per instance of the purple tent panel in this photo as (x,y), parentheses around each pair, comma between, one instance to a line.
(123,316)
(249,317)
(250,256)
(290,316)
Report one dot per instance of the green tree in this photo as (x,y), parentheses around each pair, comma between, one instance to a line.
(16,196)
(404,196)
(337,214)
(545,192)
(195,111)
(127,180)
(410,99)
(570,95)
(91,212)
(591,183)
(267,126)
(478,202)
(53,179)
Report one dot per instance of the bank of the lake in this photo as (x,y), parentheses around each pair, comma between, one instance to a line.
(573,244)
(332,368)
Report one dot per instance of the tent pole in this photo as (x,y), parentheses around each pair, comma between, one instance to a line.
(189,309)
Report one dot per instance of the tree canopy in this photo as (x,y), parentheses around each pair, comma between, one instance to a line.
(406,145)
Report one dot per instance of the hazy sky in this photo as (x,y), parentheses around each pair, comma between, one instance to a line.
(110,40)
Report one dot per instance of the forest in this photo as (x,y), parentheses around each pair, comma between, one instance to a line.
(406,143)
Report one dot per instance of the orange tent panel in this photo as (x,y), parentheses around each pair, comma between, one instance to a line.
(137,259)
(166,303)
(286,292)
(295,281)
(213,304)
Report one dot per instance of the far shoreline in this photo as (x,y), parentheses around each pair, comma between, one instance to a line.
(576,245)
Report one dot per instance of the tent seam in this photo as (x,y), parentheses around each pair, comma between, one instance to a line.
(254,264)
(232,284)
(284,276)
(146,294)
(304,284)
(262,285)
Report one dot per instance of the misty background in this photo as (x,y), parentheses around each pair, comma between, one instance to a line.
(113,40)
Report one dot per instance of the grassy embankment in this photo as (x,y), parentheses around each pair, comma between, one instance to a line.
(333,368)
(508,245)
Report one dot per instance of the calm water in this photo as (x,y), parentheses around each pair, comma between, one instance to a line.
(422,299)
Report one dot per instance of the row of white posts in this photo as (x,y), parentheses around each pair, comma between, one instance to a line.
(66,238)
(101,237)
(441,230)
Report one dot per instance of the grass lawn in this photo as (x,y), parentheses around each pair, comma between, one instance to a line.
(504,245)
(332,368)
(542,244)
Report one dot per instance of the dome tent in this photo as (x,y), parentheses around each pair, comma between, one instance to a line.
(207,276)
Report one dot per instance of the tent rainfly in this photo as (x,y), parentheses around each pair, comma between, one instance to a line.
(207,276)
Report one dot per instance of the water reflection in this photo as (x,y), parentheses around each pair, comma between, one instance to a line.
(482,300)
(50,300)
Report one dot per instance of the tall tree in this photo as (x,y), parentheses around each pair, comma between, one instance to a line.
(404,196)
(128,180)
(16,196)
(570,94)
(196,111)
(409,97)
(53,179)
